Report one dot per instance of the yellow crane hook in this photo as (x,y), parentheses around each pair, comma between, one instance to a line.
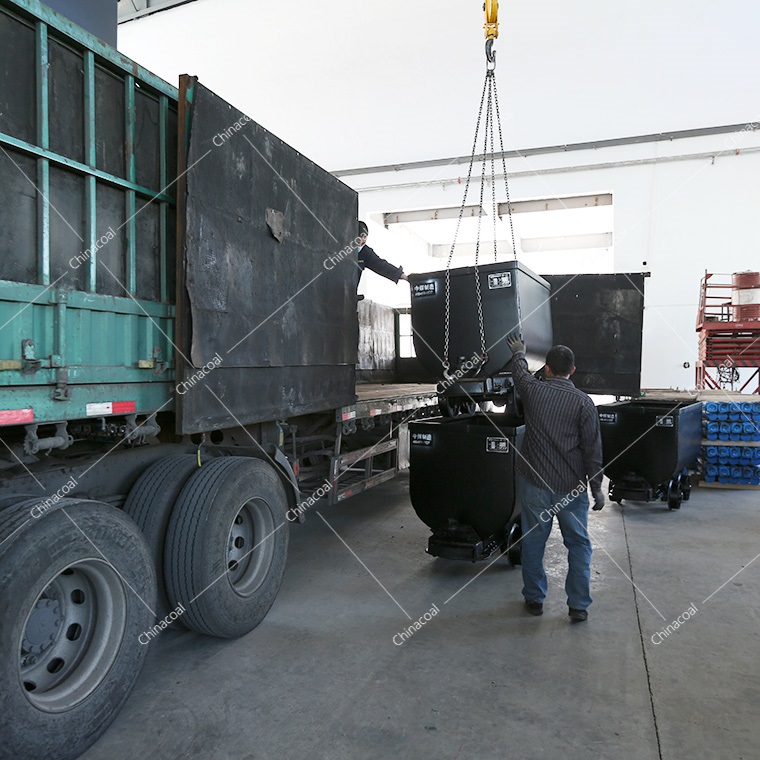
(491,8)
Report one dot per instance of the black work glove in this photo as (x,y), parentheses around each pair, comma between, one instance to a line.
(515,343)
(598,495)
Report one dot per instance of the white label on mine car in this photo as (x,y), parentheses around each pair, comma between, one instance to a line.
(500,280)
(422,439)
(608,418)
(423,289)
(497,445)
(665,421)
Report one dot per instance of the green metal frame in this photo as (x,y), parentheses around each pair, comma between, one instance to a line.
(91,48)
(136,334)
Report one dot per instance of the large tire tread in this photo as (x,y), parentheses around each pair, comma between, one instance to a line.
(186,559)
(30,559)
(150,504)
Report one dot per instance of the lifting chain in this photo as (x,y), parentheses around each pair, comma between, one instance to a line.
(490,100)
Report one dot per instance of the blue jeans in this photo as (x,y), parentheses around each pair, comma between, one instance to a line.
(539,507)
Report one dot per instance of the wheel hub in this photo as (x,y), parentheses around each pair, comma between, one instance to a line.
(249,553)
(43,627)
(72,635)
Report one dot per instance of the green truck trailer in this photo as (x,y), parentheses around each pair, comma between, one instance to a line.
(177,371)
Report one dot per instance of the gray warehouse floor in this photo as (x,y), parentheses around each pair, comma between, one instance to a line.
(322,678)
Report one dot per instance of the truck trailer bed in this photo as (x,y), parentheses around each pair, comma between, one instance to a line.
(388,407)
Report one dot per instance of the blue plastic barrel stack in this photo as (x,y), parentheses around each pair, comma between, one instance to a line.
(731,452)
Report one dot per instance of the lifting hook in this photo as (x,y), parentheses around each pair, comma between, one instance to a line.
(490,55)
(491,8)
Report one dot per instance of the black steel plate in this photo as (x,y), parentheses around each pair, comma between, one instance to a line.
(600,317)
(261,222)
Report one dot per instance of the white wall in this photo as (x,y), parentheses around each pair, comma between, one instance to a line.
(365,83)
(673,218)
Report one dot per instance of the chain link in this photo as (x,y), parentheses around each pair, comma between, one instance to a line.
(504,169)
(446,363)
(490,98)
(493,182)
(478,291)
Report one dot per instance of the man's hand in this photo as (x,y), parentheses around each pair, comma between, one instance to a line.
(598,495)
(515,343)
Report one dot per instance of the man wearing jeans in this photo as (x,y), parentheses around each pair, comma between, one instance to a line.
(561,456)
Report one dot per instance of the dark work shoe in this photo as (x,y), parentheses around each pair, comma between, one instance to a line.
(535,608)
(577,616)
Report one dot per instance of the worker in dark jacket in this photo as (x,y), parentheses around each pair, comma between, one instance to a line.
(560,457)
(368,259)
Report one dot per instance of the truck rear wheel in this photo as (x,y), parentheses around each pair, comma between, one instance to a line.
(72,617)
(226,546)
(150,504)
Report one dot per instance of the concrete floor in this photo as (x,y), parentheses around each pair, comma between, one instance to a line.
(320,678)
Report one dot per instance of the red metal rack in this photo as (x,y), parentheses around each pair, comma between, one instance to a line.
(728,323)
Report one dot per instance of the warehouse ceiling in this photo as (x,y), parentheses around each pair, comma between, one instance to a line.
(566,235)
(540,224)
(367,84)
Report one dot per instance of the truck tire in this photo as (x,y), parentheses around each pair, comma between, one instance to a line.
(150,503)
(226,546)
(70,625)
(11,499)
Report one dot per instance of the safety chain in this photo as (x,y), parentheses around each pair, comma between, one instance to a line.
(446,363)
(490,99)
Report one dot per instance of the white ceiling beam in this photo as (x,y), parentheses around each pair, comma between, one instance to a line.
(428,215)
(503,249)
(566,242)
(557,204)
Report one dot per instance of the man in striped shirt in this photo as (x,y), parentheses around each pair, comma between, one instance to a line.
(561,456)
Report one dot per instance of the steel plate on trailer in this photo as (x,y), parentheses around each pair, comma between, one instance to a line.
(261,294)
(600,317)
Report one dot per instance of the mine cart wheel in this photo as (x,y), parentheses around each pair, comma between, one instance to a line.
(226,546)
(674,494)
(684,485)
(514,545)
(613,496)
(78,586)
(456,407)
(445,406)
(150,504)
